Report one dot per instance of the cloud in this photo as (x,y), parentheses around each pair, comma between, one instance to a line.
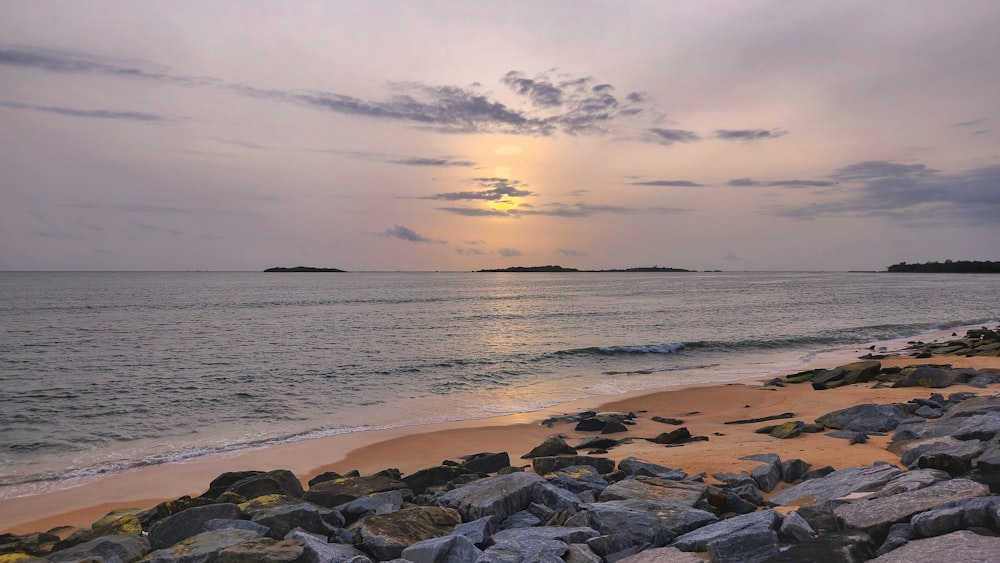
(570,252)
(971,122)
(510,252)
(92,114)
(747,182)
(498,189)
(424,161)
(667,210)
(669,183)
(405,233)
(156,229)
(669,136)
(445,161)
(541,92)
(748,134)
(470,251)
(911,194)
(575,210)
(476,212)
(63,62)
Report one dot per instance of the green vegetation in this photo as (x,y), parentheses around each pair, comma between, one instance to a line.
(949,267)
(303,269)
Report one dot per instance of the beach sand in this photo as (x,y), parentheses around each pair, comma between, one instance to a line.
(704,411)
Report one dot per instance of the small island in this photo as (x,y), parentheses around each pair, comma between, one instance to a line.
(551,268)
(302,269)
(949,267)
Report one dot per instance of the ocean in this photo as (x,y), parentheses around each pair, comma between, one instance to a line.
(103,371)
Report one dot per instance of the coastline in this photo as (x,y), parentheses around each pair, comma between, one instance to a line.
(415,447)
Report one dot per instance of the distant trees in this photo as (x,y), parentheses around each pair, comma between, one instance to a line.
(949,267)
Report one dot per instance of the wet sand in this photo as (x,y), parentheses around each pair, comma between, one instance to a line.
(704,411)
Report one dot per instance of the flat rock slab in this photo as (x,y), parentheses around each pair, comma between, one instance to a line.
(386,535)
(123,547)
(837,484)
(644,520)
(875,516)
(345,489)
(202,547)
(964,546)
(864,418)
(495,496)
(662,555)
(700,539)
(653,488)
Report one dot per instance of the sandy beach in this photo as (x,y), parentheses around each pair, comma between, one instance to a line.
(704,410)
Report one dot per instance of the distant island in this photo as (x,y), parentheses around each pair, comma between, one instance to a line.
(303,269)
(949,267)
(551,268)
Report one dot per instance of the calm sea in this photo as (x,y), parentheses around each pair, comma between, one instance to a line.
(104,371)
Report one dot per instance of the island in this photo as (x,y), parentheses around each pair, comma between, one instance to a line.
(552,268)
(302,269)
(949,267)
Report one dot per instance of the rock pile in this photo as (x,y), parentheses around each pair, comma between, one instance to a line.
(977,342)
(941,502)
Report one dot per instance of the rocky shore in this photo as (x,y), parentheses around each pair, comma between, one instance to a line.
(576,499)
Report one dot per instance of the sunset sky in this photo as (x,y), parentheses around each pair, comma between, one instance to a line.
(385,135)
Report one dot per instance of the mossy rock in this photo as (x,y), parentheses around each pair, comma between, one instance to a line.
(128,524)
(787,430)
(20,558)
(266,502)
(116,515)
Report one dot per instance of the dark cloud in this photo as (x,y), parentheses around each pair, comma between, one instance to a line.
(405,233)
(575,210)
(970,123)
(510,252)
(470,251)
(541,92)
(746,182)
(497,189)
(91,114)
(63,62)
(742,182)
(440,162)
(669,183)
(570,252)
(475,212)
(911,194)
(748,134)
(669,136)
(445,161)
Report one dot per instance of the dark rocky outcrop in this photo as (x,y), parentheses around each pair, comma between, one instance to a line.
(346,489)
(387,535)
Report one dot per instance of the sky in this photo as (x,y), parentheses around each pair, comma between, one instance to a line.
(455,136)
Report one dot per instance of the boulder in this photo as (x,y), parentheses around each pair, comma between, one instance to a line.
(317,550)
(793,469)
(224,523)
(845,547)
(861,372)
(790,429)
(957,515)
(768,475)
(522,519)
(737,526)
(655,489)
(581,553)
(278,482)
(910,481)
(550,464)
(386,535)
(556,445)
(434,477)
(127,524)
(486,462)
(677,436)
(498,496)
(284,519)
(345,489)
(926,376)
(123,547)
(188,523)
(752,546)
(263,550)
(875,516)
(201,547)
(634,466)
(644,521)
(375,503)
(964,546)
(445,549)
(795,529)
(478,531)
(898,535)
(579,478)
(836,484)
(864,418)
(662,555)
(221,484)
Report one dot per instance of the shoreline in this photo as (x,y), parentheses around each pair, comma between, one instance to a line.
(411,448)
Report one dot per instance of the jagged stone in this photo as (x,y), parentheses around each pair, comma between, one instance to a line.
(522,519)
(263,550)
(701,538)
(386,535)
(898,535)
(579,478)
(445,549)
(345,489)
(752,546)
(486,462)
(478,531)
(956,515)
(793,469)
(550,464)
(325,476)
(278,482)
(795,529)
(219,485)
(964,546)
(864,418)
(678,436)
(846,547)
(284,519)
(500,496)
(188,523)
(655,489)
(766,476)
(875,516)
(433,477)
(201,547)
(552,446)
(597,443)
(581,553)
(634,466)
(317,550)
(836,484)
(375,503)
(613,427)
(911,481)
(645,521)
(535,551)
(125,548)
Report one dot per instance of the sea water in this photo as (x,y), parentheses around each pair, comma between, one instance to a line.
(105,371)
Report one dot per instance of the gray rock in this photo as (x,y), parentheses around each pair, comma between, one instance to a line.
(433,477)
(522,519)
(279,482)
(767,476)
(552,446)
(701,538)
(555,498)
(911,481)
(534,551)
(446,549)
(864,418)
(223,523)
(875,516)
(795,529)
(634,466)
(386,535)
(662,555)
(963,546)
(954,516)
(656,489)
(579,478)
(550,464)
(486,462)
(375,503)
(263,550)
(847,547)
(581,553)
(202,547)
(123,548)
(926,376)
(346,489)
(188,523)
(928,412)
(793,469)
(752,546)
(284,519)
(899,534)
(567,535)
(836,485)
(500,496)
(478,531)
(644,521)
(317,550)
